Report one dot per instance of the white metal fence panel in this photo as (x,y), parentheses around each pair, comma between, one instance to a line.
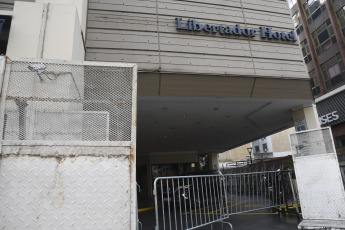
(68,146)
(191,202)
(49,101)
(321,191)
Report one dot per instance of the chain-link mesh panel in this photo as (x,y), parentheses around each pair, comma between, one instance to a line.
(314,142)
(68,102)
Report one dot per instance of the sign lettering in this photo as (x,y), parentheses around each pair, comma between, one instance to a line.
(265,32)
(329,117)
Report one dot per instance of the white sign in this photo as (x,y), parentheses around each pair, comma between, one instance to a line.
(329,117)
(300,125)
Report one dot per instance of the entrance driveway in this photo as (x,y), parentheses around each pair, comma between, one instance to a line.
(260,220)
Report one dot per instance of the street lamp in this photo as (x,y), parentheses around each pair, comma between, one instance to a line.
(250,149)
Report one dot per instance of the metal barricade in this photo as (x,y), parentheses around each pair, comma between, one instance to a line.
(191,202)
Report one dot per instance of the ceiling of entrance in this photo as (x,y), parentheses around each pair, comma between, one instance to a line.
(208,125)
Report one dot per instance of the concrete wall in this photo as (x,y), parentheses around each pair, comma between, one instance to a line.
(125,31)
(236,154)
(9,4)
(280,141)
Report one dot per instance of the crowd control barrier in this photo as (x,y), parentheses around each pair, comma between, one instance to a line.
(191,202)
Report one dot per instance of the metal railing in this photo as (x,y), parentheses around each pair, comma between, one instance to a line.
(191,202)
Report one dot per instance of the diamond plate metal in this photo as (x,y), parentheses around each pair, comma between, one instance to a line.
(64,193)
(320,186)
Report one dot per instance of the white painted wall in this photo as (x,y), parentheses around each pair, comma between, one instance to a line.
(24,39)
(81,8)
(49,31)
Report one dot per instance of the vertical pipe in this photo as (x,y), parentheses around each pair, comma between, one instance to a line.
(209,186)
(207,200)
(179,201)
(190,205)
(174,199)
(311,46)
(198,188)
(168,191)
(195,200)
(163,203)
(22,119)
(156,203)
(184,201)
(203,199)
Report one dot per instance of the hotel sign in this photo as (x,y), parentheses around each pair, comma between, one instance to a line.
(265,32)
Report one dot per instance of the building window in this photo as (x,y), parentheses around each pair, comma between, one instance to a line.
(314,84)
(340,141)
(313,9)
(341,17)
(334,72)
(257,149)
(264,147)
(297,23)
(324,37)
(305,51)
(292,3)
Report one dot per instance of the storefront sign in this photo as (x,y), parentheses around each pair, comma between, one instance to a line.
(329,117)
(265,32)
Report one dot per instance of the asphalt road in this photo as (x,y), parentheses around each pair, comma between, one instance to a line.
(260,220)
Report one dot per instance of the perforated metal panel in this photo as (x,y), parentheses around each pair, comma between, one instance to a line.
(313,142)
(320,186)
(46,101)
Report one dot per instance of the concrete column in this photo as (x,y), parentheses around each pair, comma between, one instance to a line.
(306,118)
(336,28)
(213,161)
(81,8)
(48,31)
(311,46)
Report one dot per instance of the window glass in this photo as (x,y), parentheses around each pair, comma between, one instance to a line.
(341,17)
(305,51)
(340,141)
(313,9)
(313,5)
(292,3)
(295,19)
(257,149)
(334,71)
(314,83)
(323,38)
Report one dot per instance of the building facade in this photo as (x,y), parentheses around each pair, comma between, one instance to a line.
(212,75)
(320,25)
